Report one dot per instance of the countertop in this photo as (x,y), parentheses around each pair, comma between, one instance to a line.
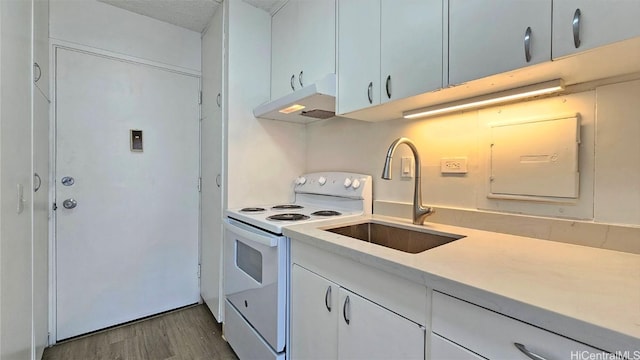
(588,294)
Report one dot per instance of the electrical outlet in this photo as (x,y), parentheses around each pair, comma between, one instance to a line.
(457,165)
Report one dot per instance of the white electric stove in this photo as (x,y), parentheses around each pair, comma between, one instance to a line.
(256,257)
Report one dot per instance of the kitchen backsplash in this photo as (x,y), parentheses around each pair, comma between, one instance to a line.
(606,213)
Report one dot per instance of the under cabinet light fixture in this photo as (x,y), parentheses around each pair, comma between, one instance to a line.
(547,87)
(291,109)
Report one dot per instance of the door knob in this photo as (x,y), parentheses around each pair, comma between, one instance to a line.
(69,203)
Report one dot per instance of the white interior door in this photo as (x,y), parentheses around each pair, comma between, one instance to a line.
(129,248)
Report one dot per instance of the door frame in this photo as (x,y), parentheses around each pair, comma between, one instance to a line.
(54,45)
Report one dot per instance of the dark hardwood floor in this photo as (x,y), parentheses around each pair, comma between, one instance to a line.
(186,334)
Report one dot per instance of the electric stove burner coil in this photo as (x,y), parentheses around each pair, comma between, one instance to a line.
(326,213)
(253,209)
(288,217)
(287,207)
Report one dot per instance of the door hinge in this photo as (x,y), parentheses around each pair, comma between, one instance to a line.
(200,98)
(200,184)
(199,272)
(54,207)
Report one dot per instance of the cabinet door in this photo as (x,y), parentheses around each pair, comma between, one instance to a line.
(487,37)
(211,167)
(411,48)
(597,23)
(314,315)
(40,222)
(41,45)
(284,52)
(358,54)
(317,40)
(369,331)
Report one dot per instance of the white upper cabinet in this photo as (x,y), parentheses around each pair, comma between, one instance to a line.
(317,45)
(41,45)
(411,48)
(387,50)
(488,37)
(580,25)
(303,45)
(358,54)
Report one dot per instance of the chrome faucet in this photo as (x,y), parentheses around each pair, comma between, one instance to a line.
(419,212)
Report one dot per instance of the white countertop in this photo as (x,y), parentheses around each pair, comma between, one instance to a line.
(588,294)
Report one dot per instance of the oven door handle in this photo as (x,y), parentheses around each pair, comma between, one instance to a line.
(246,234)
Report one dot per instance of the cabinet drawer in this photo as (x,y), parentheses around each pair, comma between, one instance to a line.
(493,335)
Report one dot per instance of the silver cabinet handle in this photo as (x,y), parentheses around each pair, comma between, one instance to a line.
(388,86)
(528,353)
(293,77)
(69,204)
(345,310)
(527,44)
(37,72)
(218,183)
(576,28)
(327,299)
(370,93)
(36,180)
(219,100)
(300,79)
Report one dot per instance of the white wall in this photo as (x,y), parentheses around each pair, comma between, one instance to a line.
(263,156)
(609,166)
(15,170)
(102,26)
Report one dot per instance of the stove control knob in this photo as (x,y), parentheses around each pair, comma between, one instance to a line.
(301,180)
(347,182)
(355,184)
(322,180)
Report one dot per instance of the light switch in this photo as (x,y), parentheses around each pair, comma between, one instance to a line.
(406,170)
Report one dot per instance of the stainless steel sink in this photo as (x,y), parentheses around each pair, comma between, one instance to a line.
(410,241)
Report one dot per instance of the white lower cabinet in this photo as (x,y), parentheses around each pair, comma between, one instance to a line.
(314,315)
(459,326)
(331,322)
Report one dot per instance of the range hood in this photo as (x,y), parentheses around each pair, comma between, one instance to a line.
(311,103)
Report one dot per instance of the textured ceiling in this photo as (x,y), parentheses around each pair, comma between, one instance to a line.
(191,14)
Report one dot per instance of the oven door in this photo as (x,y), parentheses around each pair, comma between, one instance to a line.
(255,279)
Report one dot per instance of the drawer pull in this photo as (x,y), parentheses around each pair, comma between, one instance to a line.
(327,299)
(370,92)
(529,354)
(291,82)
(300,79)
(345,311)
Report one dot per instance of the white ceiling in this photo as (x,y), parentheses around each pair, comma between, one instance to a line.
(191,14)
